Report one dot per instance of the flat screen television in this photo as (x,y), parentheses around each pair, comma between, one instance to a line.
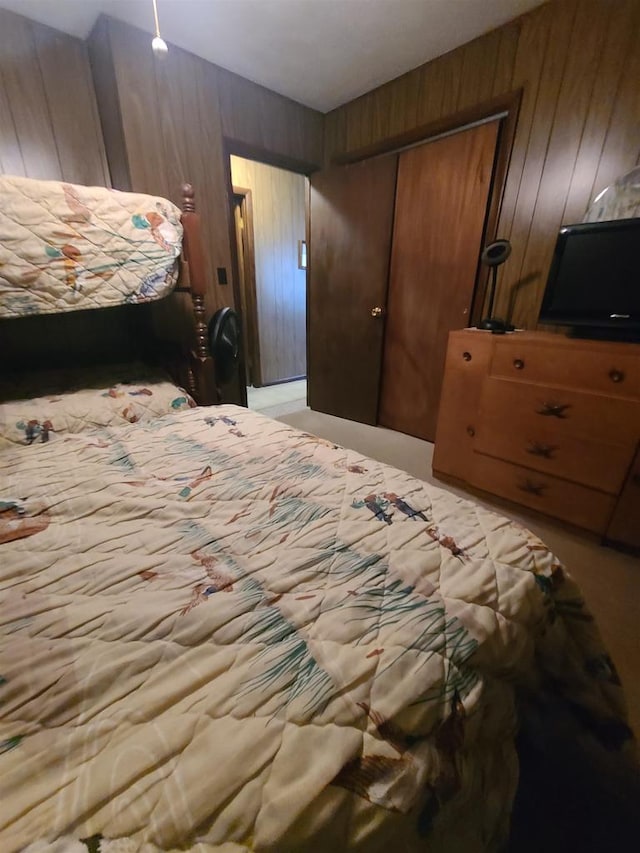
(594,280)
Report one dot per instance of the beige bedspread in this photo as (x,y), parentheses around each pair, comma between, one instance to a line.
(66,247)
(219,633)
(81,399)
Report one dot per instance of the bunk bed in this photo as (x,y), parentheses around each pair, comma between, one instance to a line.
(68,250)
(222,634)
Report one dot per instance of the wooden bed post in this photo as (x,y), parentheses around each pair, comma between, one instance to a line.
(202,368)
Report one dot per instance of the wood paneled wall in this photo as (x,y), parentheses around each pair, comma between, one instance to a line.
(284,131)
(162,128)
(578,65)
(278,204)
(49,125)
(172,120)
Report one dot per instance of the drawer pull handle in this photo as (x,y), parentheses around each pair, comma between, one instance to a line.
(554,410)
(518,363)
(616,375)
(532,488)
(546,451)
(471,431)
(466,356)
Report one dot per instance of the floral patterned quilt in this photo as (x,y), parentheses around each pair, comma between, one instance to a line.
(222,634)
(65,247)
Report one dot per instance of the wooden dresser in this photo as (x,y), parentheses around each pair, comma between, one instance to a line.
(549,422)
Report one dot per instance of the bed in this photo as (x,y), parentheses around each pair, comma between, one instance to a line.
(220,633)
(67,250)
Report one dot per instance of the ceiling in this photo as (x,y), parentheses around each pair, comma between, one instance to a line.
(321,53)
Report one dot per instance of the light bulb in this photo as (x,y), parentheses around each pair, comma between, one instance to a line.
(159,47)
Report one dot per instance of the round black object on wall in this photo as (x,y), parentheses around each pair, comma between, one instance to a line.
(496,253)
(224,342)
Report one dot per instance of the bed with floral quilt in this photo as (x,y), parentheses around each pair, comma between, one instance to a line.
(222,634)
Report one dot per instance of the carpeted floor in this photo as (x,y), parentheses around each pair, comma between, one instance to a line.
(280,399)
(573,794)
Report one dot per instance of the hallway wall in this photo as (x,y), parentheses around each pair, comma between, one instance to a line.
(278,202)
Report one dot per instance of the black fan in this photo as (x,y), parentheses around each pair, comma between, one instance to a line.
(224,341)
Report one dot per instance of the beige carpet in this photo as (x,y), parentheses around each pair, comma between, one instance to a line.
(610,580)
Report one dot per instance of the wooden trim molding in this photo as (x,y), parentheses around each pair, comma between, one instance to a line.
(271,158)
(508,103)
(251,307)
(506,137)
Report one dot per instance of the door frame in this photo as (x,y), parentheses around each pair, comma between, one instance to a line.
(252,332)
(237,147)
(507,108)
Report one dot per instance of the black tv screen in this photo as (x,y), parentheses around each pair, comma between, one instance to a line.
(594,279)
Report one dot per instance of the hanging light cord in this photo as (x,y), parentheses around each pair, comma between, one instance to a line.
(155,15)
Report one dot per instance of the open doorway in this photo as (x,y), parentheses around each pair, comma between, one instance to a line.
(269,206)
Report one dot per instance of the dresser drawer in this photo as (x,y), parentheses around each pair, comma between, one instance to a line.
(592,463)
(558,498)
(625,522)
(468,356)
(520,406)
(598,367)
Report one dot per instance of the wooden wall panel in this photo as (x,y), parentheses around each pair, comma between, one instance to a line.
(25,92)
(533,142)
(278,202)
(11,162)
(141,108)
(577,63)
(72,107)
(167,132)
(174,117)
(49,125)
(108,102)
(614,58)
(432,87)
(404,103)
(528,61)
(505,60)
(478,70)
(335,134)
(567,112)
(264,120)
(622,143)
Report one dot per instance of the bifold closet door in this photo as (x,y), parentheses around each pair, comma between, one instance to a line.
(351,222)
(441,203)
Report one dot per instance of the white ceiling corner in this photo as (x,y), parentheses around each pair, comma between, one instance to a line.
(321,53)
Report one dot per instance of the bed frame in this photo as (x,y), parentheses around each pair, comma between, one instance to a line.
(200,369)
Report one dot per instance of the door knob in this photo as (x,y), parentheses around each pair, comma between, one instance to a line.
(377,311)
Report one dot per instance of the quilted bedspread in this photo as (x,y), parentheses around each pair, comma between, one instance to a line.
(222,634)
(77,400)
(65,247)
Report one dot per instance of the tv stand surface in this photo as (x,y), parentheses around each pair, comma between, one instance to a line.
(600,333)
(547,421)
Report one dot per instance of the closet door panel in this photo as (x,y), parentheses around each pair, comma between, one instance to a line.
(441,203)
